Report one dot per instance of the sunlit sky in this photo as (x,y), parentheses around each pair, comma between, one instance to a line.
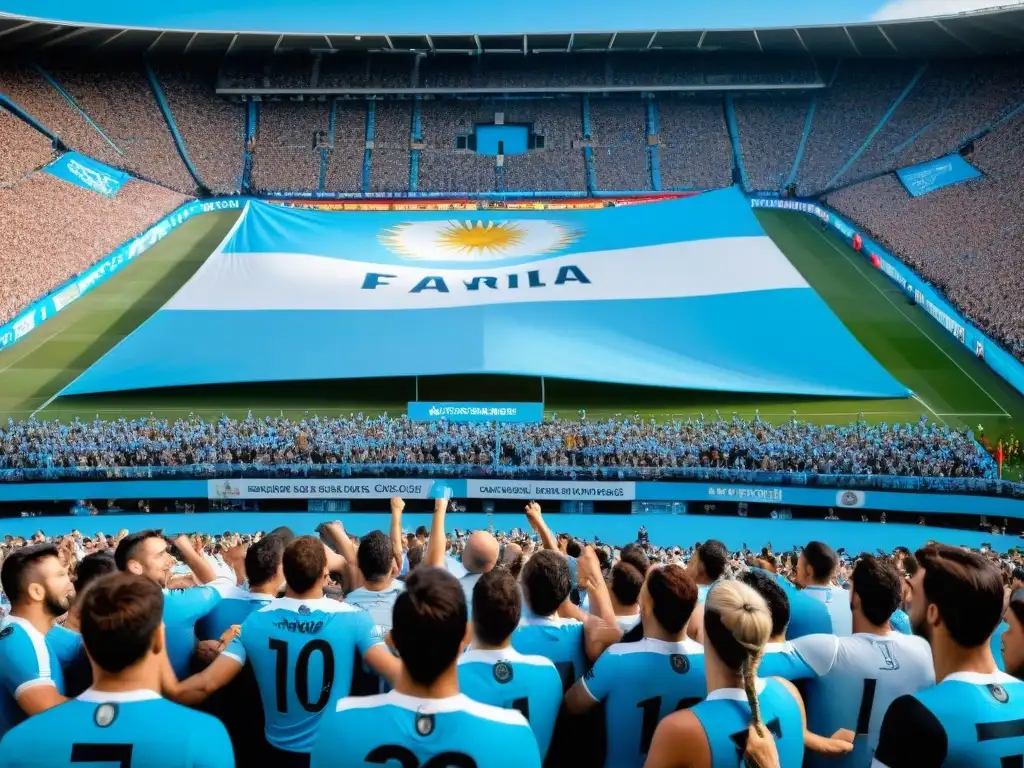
(448,17)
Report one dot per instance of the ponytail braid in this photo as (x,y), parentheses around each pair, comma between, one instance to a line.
(749,672)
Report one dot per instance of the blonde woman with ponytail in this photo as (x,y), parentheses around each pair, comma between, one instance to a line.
(745,720)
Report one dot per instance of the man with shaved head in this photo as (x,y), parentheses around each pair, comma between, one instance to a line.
(479,556)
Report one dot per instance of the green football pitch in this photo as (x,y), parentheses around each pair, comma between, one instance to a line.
(951,386)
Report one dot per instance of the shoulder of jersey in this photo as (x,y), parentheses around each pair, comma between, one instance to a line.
(685,648)
(508,655)
(321,605)
(454,704)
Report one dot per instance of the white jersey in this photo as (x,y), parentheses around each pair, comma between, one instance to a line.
(837,601)
(858,677)
(378,603)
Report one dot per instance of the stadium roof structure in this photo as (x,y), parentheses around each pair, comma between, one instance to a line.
(991,32)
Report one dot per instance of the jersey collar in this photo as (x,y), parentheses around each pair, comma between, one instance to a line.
(25,624)
(978,678)
(783,647)
(490,655)
(92,696)
(735,694)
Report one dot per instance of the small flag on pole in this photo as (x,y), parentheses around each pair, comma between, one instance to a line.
(999,458)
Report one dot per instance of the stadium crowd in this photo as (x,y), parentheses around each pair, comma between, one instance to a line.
(922,449)
(430,648)
(38,256)
(975,263)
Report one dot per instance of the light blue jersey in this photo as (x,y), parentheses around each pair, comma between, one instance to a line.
(837,603)
(302,653)
(858,677)
(132,728)
(182,609)
(66,643)
(506,678)
(725,717)
(233,608)
(26,660)
(969,720)
(641,683)
(393,729)
(781,660)
(807,616)
(557,639)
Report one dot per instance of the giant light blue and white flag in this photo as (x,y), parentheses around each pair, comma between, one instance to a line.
(687,293)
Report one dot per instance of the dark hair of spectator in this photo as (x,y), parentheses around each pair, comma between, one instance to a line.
(573,548)
(415,556)
(546,582)
(375,555)
(497,606)
(634,555)
(263,559)
(120,613)
(879,586)
(822,559)
(714,557)
(19,569)
(129,545)
(966,588)
(429,623)
(773,594)
(673,597)
(284,533)
(92,567)
(626,583)
(304,562)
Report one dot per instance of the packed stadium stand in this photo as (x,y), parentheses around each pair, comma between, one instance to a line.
(39,256)
(559,165)
(211,127)
(977,262)
(289,137)
(442,167)
(770,130)
(22,148)
(694,148)
(346,146)
(619,138)
(119,101)
(389,164)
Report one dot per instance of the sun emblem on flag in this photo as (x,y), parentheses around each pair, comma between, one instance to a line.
(478,239)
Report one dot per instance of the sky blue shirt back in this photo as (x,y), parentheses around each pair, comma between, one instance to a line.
(393,729)
(725,717)
(182,609)
(557,639)
(233,608)
(133,728)
(641,683)
(303,654)
(510,680)
(26,660)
